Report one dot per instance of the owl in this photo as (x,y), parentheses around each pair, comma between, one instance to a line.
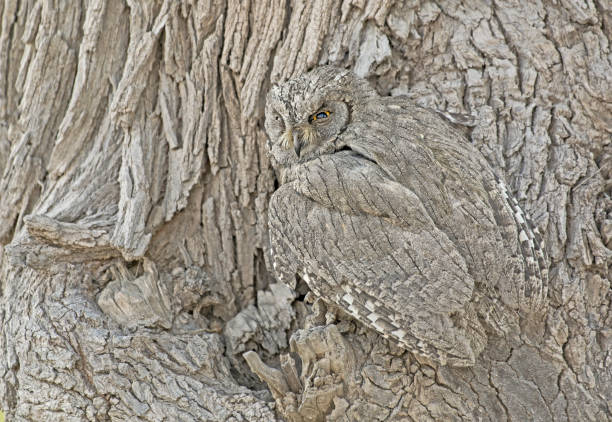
(390,214)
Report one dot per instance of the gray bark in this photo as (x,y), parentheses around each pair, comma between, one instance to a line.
(133,203)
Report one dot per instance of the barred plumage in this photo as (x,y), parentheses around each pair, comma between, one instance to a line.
(532,247)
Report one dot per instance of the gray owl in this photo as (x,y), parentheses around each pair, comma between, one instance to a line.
(388,212)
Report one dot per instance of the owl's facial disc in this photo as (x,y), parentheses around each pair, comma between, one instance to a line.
(297,122)
(314,133)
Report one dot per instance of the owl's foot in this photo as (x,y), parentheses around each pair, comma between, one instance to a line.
(319,311)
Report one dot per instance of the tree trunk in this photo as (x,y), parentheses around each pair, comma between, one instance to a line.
(134,191)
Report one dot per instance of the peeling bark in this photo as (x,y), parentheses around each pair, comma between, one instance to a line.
(134,185)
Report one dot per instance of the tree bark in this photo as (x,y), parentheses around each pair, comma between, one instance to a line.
(133,208)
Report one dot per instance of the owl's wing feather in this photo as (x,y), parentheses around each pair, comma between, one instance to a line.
(375,251)
(460,192)
(384,223)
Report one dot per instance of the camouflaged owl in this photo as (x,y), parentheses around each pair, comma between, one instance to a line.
(388,212)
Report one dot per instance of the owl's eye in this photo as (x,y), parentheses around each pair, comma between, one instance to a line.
(319,116)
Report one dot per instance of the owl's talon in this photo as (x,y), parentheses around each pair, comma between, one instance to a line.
(319,311)
(310,298)
(330,318)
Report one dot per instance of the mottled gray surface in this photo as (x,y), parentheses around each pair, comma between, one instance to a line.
(134,174)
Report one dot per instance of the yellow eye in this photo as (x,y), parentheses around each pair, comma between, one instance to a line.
(319,116)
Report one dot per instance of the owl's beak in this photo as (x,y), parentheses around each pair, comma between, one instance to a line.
(298,143)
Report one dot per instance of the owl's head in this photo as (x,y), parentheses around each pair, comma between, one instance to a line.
(305,116)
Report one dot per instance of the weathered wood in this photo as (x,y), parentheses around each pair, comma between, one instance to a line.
(134,185)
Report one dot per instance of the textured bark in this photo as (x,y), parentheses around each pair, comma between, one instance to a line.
(133,200)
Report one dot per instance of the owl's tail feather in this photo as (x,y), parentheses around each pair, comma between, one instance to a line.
(533,290)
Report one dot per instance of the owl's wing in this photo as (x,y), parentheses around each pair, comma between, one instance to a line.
(460,192)
(367,243)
